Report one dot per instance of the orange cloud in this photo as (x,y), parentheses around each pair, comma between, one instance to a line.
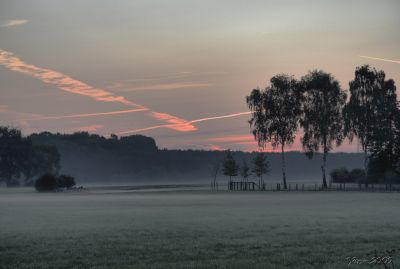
(233,139)
(11,23)
(71,85)
(179,124)
(89,128)
(60,80)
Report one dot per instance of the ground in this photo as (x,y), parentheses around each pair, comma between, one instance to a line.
(195,228)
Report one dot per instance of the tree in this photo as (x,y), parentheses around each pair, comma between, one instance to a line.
(370,112)
(261,167)
(275,114)
(245,171)
(13,154)
(322,119)
(42,159)
(230,167)
(216,166)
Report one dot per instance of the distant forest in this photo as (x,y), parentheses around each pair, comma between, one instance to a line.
(91,158)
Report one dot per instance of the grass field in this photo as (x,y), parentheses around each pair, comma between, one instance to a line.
(190,228)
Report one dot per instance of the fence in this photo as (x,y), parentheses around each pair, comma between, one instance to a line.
(252,186)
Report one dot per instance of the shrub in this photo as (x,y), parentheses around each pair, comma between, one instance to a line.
(357,175)
(65,181)
(50,182)
(46,182)
(340,175)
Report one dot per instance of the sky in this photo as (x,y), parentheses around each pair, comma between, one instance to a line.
(177,70)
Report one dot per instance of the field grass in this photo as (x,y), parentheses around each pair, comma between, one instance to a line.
(190,228)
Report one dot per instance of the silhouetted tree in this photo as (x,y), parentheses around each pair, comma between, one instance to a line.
(260,167)
(275,114)
(42,159)
(230,167)
(370,112)
(322,119)
(245,171)
(216,166)
(14,150)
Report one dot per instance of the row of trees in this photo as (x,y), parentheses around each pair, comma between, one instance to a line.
(260,167)
(20,160)
(317,104)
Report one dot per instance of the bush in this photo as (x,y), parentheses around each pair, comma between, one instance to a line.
(47,182)
(50,182)
(357,175)
(65,181)
(340,175)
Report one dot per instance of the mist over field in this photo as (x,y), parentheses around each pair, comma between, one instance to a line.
(193,228)
(137,160)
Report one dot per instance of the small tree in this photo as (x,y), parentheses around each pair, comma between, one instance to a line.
(230,167)
(244,171)
(261,167)
(216,166)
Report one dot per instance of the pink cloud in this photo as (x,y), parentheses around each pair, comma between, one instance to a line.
(60,80)
(89,128)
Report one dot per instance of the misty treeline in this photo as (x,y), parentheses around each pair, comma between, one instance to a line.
(317,108)
(92,158)
(21,161)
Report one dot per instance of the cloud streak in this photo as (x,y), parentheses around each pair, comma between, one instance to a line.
(181,125)
(68,84)
(380,59)
(61,81)
(86,115)
(11,23)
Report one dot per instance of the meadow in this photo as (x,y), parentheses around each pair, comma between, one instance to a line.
(191,227)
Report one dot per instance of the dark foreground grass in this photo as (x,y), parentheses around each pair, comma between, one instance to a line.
(196,229)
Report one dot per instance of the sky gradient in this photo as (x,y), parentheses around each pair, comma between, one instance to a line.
(178,71)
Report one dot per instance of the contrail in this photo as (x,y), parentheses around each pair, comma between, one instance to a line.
(67,83)
(380,59)
(87,115)
(182,125)
(221,117)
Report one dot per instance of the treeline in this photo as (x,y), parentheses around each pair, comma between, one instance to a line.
(91,158)
(326,115)
(21,161)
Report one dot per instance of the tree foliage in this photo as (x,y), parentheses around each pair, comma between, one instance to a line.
(244,171)
(230,167)
(322,119)
(370,114)
(275,114)
(260,166)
